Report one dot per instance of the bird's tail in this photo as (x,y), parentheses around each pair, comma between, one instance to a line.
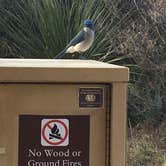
(60,55)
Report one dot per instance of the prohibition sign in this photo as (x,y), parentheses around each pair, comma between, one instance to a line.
(48,125)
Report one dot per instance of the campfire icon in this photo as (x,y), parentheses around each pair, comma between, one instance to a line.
(55,133)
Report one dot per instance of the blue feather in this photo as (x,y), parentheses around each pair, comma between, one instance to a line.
(77,39)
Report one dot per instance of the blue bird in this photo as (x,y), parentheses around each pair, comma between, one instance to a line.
(82,41)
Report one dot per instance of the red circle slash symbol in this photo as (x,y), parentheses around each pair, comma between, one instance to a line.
(47,125)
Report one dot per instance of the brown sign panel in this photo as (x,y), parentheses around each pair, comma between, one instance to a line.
(91,97)
(53,140)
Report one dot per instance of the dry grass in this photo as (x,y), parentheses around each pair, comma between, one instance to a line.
(147,145)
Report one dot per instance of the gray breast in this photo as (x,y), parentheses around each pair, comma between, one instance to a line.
(88,40)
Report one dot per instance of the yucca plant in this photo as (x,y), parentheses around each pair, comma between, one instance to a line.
(42,28)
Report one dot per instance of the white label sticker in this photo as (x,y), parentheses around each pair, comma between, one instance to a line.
(55,132)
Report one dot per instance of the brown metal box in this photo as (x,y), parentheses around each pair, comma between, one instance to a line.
(62,113)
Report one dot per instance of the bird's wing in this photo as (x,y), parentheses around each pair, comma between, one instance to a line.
(77,39)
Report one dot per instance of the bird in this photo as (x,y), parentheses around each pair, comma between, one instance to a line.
(82,41)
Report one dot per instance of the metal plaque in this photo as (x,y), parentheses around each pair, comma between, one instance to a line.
(91,97)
